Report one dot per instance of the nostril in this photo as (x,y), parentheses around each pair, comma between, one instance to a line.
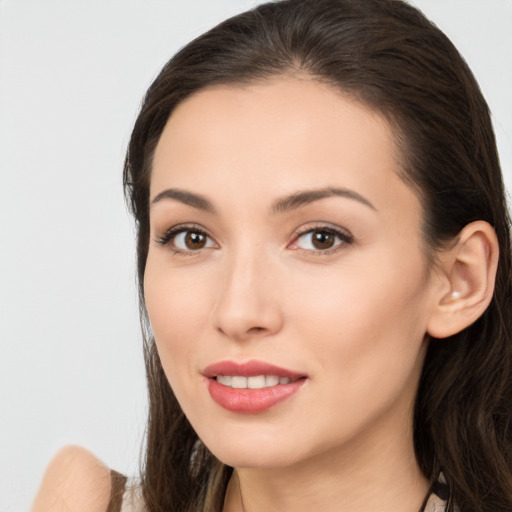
(256,331)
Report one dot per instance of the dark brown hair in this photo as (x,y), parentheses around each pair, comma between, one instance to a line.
(387,55)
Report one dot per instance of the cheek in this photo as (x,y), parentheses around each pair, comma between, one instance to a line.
(364,334)
(178,308)
(369,321)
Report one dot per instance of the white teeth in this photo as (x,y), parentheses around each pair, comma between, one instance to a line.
(225,380)
(238,382)
(254,382)
(271,380)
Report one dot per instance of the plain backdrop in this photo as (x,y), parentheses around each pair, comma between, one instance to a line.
(72,73)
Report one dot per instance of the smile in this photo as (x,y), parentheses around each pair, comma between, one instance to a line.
(252,387)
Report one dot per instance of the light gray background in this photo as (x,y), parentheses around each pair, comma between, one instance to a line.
(72,73)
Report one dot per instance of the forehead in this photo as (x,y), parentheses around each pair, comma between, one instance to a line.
(282,133)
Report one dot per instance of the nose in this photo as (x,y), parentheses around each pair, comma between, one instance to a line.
(247,304)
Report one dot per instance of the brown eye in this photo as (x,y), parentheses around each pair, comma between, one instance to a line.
(322,240)
(194,241)
(186,240)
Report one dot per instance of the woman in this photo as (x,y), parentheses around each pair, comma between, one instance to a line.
(324,268)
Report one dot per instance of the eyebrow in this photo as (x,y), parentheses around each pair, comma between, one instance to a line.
(302,198)
(281,205)
(188,198)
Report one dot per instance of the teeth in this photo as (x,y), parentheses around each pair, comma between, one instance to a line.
(254,382)
(271,380)
(239,382)
(257,382)
(225,380)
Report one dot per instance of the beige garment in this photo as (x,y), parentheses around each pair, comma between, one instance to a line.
(132,498)
(435,504)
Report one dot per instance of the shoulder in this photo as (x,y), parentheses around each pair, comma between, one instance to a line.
(75,481)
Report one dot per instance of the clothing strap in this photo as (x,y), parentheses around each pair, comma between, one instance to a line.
(118,484)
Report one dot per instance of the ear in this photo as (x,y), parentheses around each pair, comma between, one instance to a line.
(467,273)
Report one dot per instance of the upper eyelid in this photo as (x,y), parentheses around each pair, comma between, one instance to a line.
(176,228)
(167,234)
(322,226)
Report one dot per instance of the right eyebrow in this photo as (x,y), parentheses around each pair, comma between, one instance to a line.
(195,200)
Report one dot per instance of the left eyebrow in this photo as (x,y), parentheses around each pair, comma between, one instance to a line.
(304,197)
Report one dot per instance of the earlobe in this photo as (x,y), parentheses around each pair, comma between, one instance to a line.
(469,271)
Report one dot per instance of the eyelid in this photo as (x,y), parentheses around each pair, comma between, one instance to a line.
(345,237)
(170,234)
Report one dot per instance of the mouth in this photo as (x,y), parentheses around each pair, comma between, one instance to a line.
(252,387)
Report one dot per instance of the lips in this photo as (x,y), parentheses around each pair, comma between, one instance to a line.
(252,387)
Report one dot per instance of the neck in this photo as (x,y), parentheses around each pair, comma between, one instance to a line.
(381,475)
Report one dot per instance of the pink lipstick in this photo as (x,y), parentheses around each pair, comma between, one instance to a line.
(252,387)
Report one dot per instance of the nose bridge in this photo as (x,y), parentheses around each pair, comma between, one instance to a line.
(247,305)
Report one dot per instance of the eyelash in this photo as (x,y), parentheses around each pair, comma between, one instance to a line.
(344,237)
(171,234)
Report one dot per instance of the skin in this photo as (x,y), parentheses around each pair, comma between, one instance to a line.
(352,318)
(76,481)
(350,313)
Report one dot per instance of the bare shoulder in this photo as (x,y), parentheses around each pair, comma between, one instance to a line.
(75,481)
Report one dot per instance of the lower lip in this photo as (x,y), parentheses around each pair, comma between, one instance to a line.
(252,401)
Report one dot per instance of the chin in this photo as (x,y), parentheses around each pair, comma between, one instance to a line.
(251,450)
(257,459)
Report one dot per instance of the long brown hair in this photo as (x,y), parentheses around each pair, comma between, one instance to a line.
(387,55)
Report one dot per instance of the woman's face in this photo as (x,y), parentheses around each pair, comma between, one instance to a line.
(285,283)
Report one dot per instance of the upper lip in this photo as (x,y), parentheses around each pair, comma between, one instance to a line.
(249,369)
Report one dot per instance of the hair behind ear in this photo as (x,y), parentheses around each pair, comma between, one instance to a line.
(463,409)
